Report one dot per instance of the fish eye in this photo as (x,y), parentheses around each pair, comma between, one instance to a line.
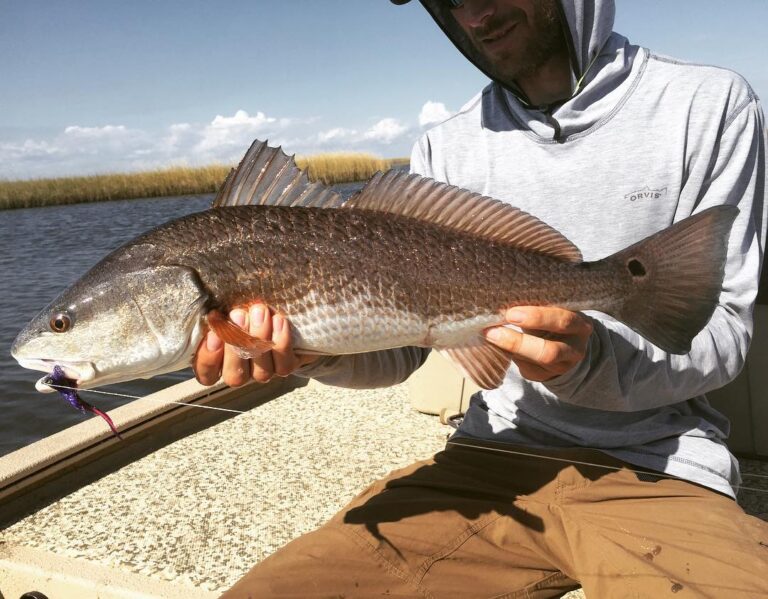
(61,322)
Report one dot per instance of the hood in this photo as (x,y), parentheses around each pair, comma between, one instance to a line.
(588,25)
(604,70)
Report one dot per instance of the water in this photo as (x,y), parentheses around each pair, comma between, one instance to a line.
(42,251)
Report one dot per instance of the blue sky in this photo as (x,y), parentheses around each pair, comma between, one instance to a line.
(106,85)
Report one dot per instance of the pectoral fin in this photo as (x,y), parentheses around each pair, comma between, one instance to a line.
(230,333)
(486,364)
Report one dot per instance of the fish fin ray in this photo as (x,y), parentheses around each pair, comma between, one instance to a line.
(225,190)
(266,176)
(425,199)
(486,364)
(246,345)
(676,278)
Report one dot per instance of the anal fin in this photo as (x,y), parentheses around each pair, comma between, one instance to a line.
(486,364)
(230,333)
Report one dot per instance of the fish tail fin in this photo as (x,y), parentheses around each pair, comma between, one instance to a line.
(676,277)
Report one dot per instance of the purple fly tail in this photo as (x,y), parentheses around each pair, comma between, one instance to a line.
(67,389)
(106,418)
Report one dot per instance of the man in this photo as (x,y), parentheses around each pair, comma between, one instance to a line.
(598,462)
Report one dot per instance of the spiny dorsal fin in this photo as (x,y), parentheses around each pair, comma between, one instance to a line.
(267,176)
(426,199)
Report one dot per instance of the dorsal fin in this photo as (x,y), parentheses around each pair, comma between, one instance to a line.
(267,176)
(425,199)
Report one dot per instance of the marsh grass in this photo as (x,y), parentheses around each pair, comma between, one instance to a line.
(174,181)
(341,167)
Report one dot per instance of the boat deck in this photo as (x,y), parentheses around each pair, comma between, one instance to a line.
(191,518)
(200,512)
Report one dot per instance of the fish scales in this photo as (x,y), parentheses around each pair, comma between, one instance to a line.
(405,261)
(373,272)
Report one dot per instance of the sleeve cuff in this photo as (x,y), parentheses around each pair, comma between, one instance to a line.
(566,384)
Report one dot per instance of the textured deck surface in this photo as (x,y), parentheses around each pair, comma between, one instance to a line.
(203,510)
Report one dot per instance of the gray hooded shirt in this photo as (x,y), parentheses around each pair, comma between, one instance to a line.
(644,142)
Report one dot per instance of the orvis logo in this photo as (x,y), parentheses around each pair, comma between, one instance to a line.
(646,193)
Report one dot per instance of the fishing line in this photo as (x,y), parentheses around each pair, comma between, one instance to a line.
(455,444)
(177,403)
(604,466)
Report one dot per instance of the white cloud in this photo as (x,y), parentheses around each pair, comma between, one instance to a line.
(241,119)
(226,133)
(30,148)
(76,150)
(336,134)
(433,113)
(95,132)
(84,149)
(386,131)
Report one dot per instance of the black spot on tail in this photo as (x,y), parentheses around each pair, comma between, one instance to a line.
(676,278)
(636,268)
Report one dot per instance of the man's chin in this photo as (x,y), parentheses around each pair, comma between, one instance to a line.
(506,55)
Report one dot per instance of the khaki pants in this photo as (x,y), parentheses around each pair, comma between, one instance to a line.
(477,523)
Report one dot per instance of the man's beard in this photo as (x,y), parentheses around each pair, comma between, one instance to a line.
(547,41)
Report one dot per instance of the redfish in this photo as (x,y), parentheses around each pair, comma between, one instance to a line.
(405,261)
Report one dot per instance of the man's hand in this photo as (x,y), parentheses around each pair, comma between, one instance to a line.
(215,359)
(552,341)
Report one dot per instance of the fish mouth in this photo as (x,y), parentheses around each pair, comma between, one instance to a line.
(80,372)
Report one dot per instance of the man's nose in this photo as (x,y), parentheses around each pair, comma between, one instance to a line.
(477,11)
